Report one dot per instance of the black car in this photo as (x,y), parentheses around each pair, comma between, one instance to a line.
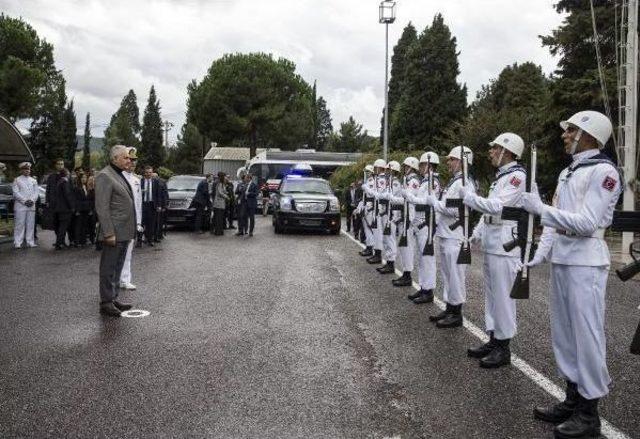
(182,189)
(6,200)
(305,203)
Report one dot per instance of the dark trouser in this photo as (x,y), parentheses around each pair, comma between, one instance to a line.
(63,220)
(218,221)
(201,219)
(242,218)
(91,226)
(228,215)
(111,263)
(149,220)
(159,230)
(251,218)
(80,228)
(349,219)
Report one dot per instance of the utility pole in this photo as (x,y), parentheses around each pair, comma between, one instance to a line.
(628,111)
(167,127)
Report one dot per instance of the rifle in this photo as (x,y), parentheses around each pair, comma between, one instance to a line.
(405,216)
(374,223)
(628,221)
(524,234)
(428,246)
(464,257)
(387,226)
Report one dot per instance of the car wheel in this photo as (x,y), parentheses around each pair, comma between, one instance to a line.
(335,231)
(277,228)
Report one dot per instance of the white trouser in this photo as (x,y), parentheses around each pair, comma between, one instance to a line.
(378,234)
(125,276)
(453,274)
(368,234)
(23,223)
(389,242)
(426,264)
(499,308)
(406,253)
(577,326)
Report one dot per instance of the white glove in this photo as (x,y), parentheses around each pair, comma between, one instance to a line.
(532,203)
(537,260)
(518,266)
(475,239)
(404,193)
(430,199)
(139,228)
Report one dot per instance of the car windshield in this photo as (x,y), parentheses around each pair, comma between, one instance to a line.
(183,184)
(306,186)
(6,189)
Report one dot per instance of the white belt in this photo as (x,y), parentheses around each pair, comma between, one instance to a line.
(492,220)
(599,234)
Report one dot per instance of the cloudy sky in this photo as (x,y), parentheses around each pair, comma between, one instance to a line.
(106,47)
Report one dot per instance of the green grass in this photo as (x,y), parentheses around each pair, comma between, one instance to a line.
(6,228)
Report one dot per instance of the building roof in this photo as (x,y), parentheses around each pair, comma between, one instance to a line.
(230,153)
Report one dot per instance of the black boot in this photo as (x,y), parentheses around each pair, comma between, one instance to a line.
(402,281)
(441,315)
(562,411)
(368,251)
(483,350)
(388,268)
(426,296)
(453,319)
(376,258)
(584,422)
(499,356)
(414,295)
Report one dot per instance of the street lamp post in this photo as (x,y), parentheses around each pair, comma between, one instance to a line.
(387,16)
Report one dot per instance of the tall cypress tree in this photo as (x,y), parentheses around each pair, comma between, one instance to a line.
(121,129)
(313,141)
(325,127)
(431,99)
(69,135)
(130,106)
(398,67)
(86,150)
(151,148)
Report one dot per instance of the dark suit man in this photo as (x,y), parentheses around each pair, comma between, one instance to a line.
(117,216)
(352,197)
(164,202)
(50,196)
(151,204)
(65,207)
(251,203)
(240,197)
(202,203)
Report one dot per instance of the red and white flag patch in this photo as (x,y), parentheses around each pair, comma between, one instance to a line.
(609,183)
(515,181)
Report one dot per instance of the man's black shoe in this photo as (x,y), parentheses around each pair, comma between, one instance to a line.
(441,315)
(426,296)
(109,309)
(250,233)
(388,268)
(499,356)
(562,411)
(483,350)
(122,306)
(376,258)
(414,295)
(150,244)
(583,423)
(239,234)
(453,319)
(368,251)
(232,227)
(402,281)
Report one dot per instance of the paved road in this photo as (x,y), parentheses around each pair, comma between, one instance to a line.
(274,336)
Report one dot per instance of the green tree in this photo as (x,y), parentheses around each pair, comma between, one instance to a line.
(69,138)
(186,156)
(26,64)
(252,99)
(398,67)
(352,138)
(324,125)
(86,151)
(130,106)
(121,126)
(431,98)
(151,149)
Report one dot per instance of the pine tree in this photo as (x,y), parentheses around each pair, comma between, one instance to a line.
(130,106)
(121,129)
(186,156)
(313,141)
(324,125)
(352,138)
(70,139)
(151,148)
(398,67)
(432,100)
(86,150)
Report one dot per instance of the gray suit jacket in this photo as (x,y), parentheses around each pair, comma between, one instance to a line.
(114,206)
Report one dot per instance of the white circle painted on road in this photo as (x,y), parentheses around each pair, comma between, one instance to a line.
(135,313)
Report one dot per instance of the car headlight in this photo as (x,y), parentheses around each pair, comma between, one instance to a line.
(285,204)
(334,205)
(187,203)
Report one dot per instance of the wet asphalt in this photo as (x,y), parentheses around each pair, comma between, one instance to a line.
(273,336)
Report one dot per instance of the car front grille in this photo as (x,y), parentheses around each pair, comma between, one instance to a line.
(311,206)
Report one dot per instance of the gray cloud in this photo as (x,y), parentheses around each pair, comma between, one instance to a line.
(107,47)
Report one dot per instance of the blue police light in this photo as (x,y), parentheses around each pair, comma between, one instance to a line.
(300,170)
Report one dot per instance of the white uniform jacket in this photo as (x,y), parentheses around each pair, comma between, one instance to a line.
(24,189)
(368,189)
(583,205)
(505,190)
(134,182)
(419,198)
(447,216)
(412,185)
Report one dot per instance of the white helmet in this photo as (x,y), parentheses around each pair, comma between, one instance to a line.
(412,162)
(430,157)
(368,168)
(394,166)
(596,124)
(455,153)
(511,142)
(380,163)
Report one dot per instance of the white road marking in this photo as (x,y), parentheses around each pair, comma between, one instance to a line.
(542,381)
(135,313)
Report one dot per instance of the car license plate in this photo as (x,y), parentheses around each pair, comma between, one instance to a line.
(309,222)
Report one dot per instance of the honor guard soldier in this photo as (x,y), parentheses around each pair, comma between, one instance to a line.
(391,220)
(405,245)
(450,240)
(25,193)
(500,267)
(366,210)
(134,183)
(379,168)
(420,230)
(582,209)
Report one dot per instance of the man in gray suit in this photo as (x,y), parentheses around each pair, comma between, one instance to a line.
(117,217)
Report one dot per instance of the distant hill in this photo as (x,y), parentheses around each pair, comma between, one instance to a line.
(94,145)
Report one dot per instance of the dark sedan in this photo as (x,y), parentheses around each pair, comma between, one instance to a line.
(181,190)
(305,203)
